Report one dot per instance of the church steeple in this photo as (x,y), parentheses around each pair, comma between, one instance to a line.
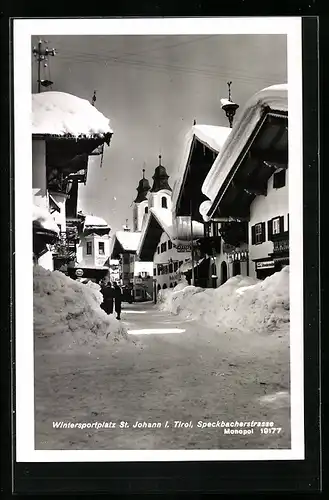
(160,178)
(142,189)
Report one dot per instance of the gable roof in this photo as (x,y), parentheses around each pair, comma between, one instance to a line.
(274,98)
(124,241)
(158,220)
(211,136)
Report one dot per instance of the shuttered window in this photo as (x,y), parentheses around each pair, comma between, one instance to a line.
(258,233)
(275,226)
(169,244)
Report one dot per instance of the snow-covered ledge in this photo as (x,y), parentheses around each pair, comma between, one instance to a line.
(61,114)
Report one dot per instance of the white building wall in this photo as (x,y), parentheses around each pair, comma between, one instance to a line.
(39,179)
(163,258)
(96,259)
(262,209)
(155,199)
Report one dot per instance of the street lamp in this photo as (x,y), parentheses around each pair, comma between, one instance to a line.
(229,106)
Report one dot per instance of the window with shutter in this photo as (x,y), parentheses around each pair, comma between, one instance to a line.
(259,233)
(253,235)
(281,218)
(269,229)
(263,237)
(276,228)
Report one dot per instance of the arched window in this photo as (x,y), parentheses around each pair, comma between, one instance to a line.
(164,286)
(175,284)
(146,209)
(159,288)
(164,202)
(171,285)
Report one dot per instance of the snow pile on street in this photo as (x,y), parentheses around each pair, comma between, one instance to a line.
(242,302)
(68,313)
(59,113)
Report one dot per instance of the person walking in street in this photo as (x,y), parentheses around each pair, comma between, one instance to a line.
(108,297)
(117,300)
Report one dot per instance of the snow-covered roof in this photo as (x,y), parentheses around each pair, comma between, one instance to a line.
(276,99)
(212,136)
(163,216)
(128,240)
(58,113)
(93,221)
(178,229)
(44,218)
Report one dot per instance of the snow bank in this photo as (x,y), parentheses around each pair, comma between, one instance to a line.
(242,302)
(59,113)
(68,312)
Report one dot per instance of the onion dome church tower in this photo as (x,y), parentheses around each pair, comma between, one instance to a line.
(160,194)
(140,207)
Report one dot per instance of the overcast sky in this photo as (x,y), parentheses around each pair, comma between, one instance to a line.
(152,88)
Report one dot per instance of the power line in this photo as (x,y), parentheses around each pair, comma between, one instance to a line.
(178,69)
(128,54)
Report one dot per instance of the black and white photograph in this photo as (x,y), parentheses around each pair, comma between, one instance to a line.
(163,243)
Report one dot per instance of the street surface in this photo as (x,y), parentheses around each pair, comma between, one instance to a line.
(176,371)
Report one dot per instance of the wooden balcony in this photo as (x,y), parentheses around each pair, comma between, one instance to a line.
(234,233)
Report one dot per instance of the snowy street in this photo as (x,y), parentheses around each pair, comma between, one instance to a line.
(172,370)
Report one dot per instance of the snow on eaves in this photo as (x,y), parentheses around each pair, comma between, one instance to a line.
(93,221)
(58,113)
(212,136)
(276,99)
(164,218)
(128,240)
(44,219)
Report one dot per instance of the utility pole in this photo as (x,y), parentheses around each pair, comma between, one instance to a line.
(42,55)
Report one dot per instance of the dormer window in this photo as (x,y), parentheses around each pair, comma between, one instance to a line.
(164,202)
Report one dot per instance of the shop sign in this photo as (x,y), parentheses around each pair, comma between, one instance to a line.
(183,248)
(267,264)
(79,273)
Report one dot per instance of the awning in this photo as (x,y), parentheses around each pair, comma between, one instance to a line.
(187,266)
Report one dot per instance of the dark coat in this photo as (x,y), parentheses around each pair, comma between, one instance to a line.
(117,299)
(108,297)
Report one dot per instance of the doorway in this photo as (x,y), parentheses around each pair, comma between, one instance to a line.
(236,268)
(223,272)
